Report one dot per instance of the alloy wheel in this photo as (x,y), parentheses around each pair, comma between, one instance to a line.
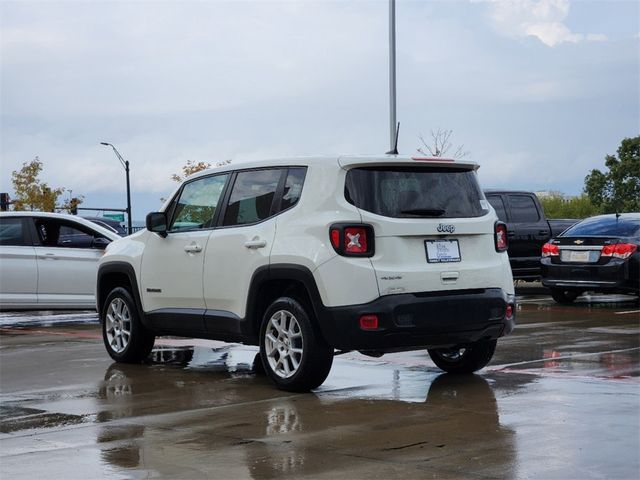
(283,344)
(118,325)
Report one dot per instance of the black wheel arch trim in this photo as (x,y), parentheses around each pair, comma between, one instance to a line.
(128,270)
(281,271)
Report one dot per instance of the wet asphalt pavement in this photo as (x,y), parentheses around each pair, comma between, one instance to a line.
(561,399)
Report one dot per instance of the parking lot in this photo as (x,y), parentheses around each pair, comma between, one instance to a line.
(561,399)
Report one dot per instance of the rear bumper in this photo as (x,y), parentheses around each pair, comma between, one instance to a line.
(420,320)
(615,276)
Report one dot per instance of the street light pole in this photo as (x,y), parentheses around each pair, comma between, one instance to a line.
(125,164)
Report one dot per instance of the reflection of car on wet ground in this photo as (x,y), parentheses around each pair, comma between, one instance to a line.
(49,260)
(597,254)
(280,436)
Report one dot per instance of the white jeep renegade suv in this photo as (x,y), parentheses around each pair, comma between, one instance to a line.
(307,256)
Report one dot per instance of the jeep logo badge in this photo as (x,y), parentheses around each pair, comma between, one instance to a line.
(442,228)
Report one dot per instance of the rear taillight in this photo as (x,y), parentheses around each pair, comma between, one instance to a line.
(500,236)
(508,311)
(352,240)
(550,250)
(619,250)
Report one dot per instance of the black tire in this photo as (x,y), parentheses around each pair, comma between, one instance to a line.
(124,336)
(564,296)
(467,359)
(302,343)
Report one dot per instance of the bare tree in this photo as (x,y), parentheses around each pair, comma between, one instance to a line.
(440,145)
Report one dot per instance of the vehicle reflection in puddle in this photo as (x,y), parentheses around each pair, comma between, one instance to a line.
(278,433)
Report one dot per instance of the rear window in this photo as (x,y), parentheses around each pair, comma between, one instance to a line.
(409,192)
(605,227)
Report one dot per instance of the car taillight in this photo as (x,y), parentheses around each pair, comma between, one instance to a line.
(550,250)
(508,311)
(619,250)
(500,236)
(352,240)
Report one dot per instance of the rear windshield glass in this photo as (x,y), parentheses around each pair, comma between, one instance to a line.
(605,227)
(416,192)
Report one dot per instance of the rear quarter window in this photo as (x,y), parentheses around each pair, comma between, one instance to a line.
(409,192)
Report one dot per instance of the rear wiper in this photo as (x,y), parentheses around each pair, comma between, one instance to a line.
(424,212)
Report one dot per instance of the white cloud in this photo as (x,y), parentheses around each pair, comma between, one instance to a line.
(542,19)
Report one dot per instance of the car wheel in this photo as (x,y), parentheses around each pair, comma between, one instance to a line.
(124,336)
(467,359)
(294,355)
(564,296)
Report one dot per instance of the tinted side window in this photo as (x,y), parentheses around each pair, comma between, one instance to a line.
(197,203)
(523,209)
(13,232)
(61,234)
(252,196)
(293,187)
(73,238)
(498,205)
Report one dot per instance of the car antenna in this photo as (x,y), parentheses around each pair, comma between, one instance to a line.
(395,146)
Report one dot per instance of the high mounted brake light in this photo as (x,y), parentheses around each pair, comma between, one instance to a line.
(432,159)
(352,240)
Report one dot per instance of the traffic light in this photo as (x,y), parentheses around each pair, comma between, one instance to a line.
(4,201)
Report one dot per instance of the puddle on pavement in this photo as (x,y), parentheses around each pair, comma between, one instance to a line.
(15,418)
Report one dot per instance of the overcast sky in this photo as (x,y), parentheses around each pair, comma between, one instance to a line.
(538,91)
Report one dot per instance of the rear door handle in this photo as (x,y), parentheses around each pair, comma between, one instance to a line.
(193,248)
(49,256)
(543,232)
(255,243)
(511,233)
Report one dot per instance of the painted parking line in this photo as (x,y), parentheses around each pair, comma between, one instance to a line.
(626,313)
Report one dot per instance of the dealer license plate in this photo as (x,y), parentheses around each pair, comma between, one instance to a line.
(441,251)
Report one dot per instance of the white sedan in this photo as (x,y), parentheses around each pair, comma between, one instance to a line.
(49,260)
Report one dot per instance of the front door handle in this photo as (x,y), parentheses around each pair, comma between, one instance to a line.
(193,248)
(255,243)
(543,232)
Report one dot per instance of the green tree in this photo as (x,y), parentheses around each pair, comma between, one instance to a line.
(617,190)
(30,192)
(557,205)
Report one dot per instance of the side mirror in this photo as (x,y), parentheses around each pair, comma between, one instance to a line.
(157,223)
(100,243)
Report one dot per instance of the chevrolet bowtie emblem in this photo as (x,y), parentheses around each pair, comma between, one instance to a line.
(578,242)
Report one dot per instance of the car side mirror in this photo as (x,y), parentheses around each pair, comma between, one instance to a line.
(157,223)
(100,243)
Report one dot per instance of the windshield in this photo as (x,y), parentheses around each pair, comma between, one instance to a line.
(608,226)
(410,192)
